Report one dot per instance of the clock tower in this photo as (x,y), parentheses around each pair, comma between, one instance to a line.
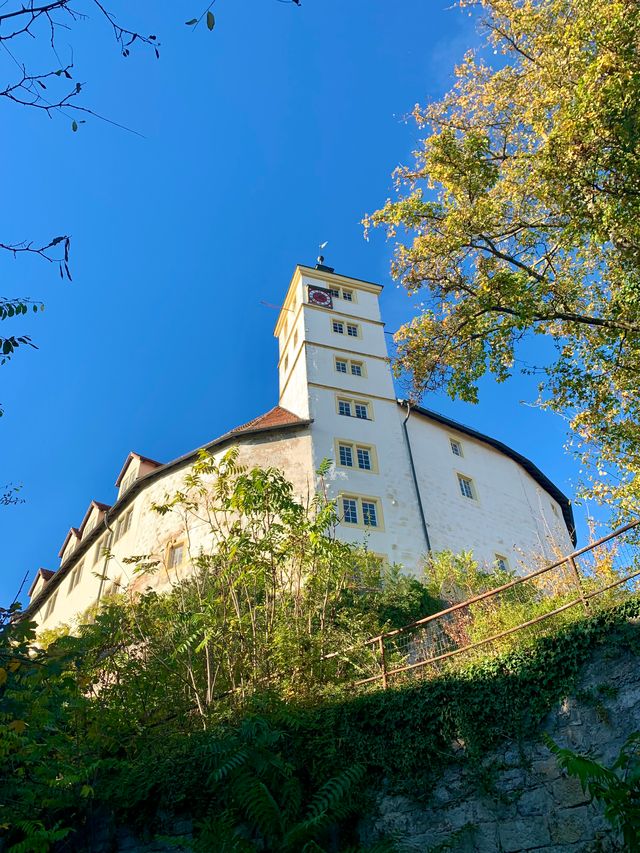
(331,341)
(334,370)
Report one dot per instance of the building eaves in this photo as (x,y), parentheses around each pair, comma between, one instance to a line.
(238,433)
(527,464)
(340,275)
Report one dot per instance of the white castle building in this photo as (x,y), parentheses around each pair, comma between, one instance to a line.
(406,480)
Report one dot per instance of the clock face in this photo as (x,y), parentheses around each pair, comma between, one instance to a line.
(320,297)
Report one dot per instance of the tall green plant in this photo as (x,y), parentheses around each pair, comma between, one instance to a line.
(44,767)
(519,217)
(267,592)
(617,787)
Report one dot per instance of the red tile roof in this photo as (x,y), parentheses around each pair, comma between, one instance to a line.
(272,419)
(102,507)
(45,574)
(134,455)
(73,531)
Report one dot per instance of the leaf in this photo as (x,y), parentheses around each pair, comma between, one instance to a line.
(211,21)
(3,675)
(74,125)
(18,726)
(192,22)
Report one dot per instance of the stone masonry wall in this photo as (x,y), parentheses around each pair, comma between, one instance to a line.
(521,801)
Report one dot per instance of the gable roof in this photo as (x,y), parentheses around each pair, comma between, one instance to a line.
(98,505)
(133,455)
(45,574)
(73,531)
(527,464)
(272,421)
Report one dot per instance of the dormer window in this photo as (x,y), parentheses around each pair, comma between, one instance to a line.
(134,468)
(127,482)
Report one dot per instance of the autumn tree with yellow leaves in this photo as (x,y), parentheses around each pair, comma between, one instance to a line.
(520,216)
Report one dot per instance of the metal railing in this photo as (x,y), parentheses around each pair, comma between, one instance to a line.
(585,581)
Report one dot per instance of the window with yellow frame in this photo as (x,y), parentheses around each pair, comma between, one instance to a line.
(360,511)
(356,456)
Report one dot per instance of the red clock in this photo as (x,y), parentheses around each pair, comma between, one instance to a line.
(320,296)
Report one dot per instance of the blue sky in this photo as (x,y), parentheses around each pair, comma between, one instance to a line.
(277,131)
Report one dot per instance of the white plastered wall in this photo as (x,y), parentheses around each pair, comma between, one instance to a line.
(511,514)
(152,534)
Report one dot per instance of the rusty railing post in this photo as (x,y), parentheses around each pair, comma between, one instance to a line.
(383,662)
(578,581)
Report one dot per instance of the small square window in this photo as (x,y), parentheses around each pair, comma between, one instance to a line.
(338,327)
(356,368)
(466,487)
(352,330)
(350,510)
(347,295)
(344,408)
(341,366)
(362,411)
(176,556)
(364,458)
(334,292)
(369,514)
(346,455)
(456,447)
(502,563)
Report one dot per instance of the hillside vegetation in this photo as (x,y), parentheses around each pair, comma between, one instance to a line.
(214,700)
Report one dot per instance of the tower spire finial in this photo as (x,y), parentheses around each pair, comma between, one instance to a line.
(320,260)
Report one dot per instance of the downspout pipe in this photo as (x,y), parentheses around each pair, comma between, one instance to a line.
(415,478)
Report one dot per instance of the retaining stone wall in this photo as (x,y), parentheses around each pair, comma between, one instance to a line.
(522,801)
